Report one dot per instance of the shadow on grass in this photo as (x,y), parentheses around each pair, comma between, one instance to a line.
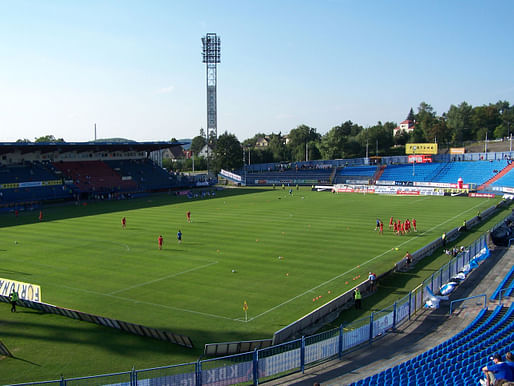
(70,209)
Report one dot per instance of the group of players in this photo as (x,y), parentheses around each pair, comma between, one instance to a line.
(399,227)
(160,239)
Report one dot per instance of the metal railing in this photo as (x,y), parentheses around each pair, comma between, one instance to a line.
(469,298)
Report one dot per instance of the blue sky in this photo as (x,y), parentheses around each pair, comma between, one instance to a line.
(135,68)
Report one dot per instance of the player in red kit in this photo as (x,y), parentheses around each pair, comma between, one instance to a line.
(414,224)
(188,216)
(123,222)
(40,215)
(381,231)
(160,241)
(391,221)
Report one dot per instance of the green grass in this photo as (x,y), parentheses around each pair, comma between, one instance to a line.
(84,260)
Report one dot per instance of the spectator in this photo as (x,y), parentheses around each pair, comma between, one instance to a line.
(510,360)
(497,372)
(373,281)
(408,259)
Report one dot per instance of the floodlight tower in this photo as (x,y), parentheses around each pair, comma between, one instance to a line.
(211,56)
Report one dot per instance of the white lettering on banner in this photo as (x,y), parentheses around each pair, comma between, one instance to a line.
(383,324)
(488,195)
(226,173)
(26,291)
(228,375)
(402,312)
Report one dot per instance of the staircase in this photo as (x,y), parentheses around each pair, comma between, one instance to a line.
(333,174)
(378,174)
(499,175)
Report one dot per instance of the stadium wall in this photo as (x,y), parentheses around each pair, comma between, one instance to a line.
(132,328)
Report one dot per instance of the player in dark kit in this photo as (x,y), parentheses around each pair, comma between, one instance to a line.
(179,236)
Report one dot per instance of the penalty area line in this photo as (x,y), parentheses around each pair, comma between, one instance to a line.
(134,301)
(162,278)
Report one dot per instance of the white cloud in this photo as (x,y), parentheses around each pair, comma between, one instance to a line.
(166,90)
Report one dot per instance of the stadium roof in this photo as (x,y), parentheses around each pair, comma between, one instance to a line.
(47,147)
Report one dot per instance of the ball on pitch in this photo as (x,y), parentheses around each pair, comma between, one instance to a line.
(233,271)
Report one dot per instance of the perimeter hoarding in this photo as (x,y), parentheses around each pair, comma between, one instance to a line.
(421,148)
(26,291)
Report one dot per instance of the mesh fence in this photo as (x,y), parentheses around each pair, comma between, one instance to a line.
(402,310)
(382,321)
(229,370)
(355,333)
(184,374)
(280,360)
(322,346)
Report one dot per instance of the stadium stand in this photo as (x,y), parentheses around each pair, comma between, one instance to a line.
(505,180)
(30,181)
(301,177)
(94,176)
(426,172)
(355,173)
(32,173)
(468,351)
(471,172)
(147,175)
(476,172)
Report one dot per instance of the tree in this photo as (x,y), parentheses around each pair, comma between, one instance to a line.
(458,121)
(379,134)
(250,142)
(411,116)
(299,139)
(278,147)
(332,143)
(425,118)
(48,138)
(484,120)
(24,140)
(228,153)
(197,144)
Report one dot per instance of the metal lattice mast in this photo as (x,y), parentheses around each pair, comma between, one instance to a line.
(211,56)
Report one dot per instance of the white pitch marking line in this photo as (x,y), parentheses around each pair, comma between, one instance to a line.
(162,278)
(352,269)
(149,303)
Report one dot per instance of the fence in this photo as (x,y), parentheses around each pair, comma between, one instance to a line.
(294,356)
(132,328)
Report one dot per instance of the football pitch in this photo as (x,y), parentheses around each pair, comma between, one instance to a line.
(274,250)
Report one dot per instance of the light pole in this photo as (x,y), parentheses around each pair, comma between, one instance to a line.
(413,159)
